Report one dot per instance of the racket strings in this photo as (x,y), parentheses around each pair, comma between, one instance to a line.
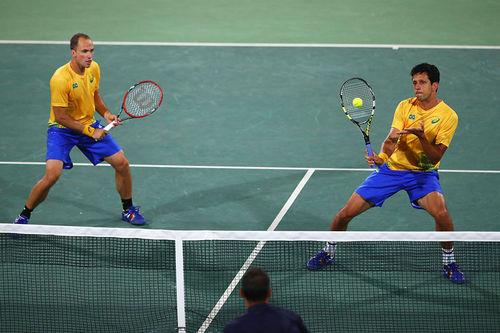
(143,99)
(357,89)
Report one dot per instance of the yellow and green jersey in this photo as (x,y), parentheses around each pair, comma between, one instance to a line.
(74,92)
(440,124)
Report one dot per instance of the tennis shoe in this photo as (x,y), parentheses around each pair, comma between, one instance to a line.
(320,260)
(21,219)
(133,215)
(452,272)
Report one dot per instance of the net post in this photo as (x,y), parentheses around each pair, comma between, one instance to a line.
(179,282)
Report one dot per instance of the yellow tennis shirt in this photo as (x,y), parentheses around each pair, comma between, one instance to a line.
(75,92)
(440,124)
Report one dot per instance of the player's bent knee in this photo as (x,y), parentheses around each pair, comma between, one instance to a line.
(122,165)
(51,178)
(441,214)
(345,215)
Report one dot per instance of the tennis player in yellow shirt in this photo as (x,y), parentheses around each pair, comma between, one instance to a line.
(421,131)
(74,99)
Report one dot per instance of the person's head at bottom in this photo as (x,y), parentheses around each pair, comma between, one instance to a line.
(255,287)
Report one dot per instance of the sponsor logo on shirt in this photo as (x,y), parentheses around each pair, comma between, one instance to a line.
(411,116)
(435,120)
(75,85)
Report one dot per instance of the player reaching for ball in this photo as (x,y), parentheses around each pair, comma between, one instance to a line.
(422,129)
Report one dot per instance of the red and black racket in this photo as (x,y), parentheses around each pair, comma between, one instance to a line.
(140,100)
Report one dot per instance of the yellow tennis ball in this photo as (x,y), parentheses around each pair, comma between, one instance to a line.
(357,102)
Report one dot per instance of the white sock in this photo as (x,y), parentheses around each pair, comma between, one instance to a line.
(448,256)
(330,248)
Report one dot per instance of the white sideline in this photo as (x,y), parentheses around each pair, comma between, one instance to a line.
(236,167)
(298,45)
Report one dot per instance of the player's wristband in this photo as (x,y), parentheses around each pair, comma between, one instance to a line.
(383,156)
(88,130)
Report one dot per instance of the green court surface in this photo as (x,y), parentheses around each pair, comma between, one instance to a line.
(248,107)
(459,22)
(243,124)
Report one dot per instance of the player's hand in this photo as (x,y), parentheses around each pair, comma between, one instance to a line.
(99,134)
(418,131)
(373,159)
(112,118)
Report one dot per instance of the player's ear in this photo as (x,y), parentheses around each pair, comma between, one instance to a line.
(435,86)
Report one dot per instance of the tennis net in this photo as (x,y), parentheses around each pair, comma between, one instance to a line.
(71,279)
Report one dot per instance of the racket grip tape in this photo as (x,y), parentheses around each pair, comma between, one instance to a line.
(110,126)
(369,150)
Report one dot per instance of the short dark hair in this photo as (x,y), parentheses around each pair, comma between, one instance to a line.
(255,285)
(431,71)
(73,42)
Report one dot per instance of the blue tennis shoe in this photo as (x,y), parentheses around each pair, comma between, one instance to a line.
(452,273)
(320,260)
(133,215)
(21,219)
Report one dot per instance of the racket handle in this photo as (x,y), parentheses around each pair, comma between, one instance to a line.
(109,126)
(369,151)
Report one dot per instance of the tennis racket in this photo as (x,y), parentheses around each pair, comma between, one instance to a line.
(358,103)
(140,100)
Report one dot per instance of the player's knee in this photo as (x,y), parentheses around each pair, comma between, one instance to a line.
(443,220)
(51,178)
(122,165)
(344,215)
(441,214)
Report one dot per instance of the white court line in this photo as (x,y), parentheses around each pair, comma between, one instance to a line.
(179,285)
(222,300)
(235,167)
(298,45)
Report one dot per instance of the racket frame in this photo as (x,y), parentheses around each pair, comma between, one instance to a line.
(367,122)
(124,108)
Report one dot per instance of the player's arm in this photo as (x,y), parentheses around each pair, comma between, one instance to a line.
(62,118)
(434,152)
(103,110)
(386,150)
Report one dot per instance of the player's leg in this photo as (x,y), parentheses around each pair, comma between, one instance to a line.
(123,176)
(110,151)
(372,192)
(123,180)
(60,141)
(434,203)
(40,190)
(354,206)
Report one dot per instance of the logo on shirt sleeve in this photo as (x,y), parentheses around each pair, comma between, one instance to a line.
(435,120)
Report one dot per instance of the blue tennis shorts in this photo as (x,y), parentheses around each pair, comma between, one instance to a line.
(382,184)
(60,141)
